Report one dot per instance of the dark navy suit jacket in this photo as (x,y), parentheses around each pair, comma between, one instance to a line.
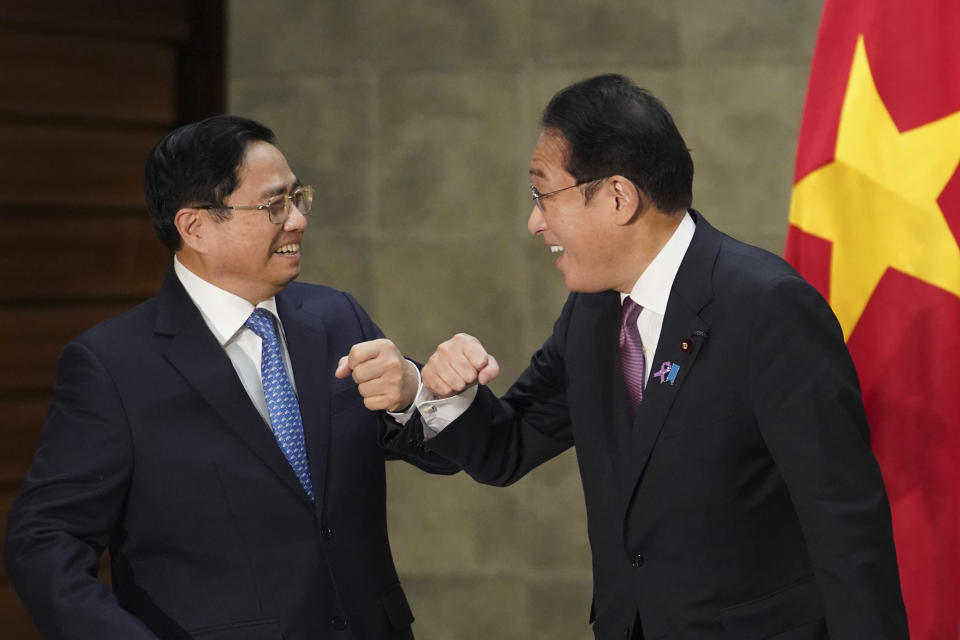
(153,449)
(743,501)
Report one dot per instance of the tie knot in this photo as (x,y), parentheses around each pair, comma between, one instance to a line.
(632,360)
(629,312)
(261,323)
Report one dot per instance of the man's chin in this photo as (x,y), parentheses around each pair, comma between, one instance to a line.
(578,286)
(282,280)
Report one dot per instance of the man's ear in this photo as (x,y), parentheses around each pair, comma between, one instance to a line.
(629,201)
(191,223)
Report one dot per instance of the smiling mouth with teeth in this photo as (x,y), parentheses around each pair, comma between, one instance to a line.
(288,248)
(556,249)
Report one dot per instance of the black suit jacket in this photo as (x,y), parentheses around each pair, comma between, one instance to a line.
(153,449)
(743,501)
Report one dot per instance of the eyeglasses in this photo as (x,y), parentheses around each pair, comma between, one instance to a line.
(537,196)
(278,207)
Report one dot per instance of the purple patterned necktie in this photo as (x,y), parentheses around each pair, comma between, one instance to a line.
(631,353)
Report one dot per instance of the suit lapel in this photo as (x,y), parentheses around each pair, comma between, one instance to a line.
(195,353)
(672,363)
(307,345)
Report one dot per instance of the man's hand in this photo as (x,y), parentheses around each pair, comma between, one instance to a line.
(457,364)
(385,379)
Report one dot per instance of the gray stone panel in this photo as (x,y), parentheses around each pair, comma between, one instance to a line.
(555,518)
(730,31)
(452,524)
(427,292)
(447,166)
(338,261)
(742,123)
(426,34)
(296,36)
(604,31)
(772,240)
(560,609)
(470,607)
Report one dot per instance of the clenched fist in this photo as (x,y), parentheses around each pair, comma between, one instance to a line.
(385,379)
(457,364)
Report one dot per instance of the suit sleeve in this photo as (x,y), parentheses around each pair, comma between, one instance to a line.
(805,394)
(498,441)
(70,505)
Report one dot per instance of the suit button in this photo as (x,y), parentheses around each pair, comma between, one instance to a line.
(626,632)
(338,622)
(326,533)
(637,560)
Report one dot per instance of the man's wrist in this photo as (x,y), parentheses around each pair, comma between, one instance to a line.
(411,373)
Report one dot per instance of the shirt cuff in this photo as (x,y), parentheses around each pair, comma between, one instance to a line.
(437,413)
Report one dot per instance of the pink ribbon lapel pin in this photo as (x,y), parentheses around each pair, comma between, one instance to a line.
(668,372)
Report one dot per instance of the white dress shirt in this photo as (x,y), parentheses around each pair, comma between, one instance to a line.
(651,291)
(225,314)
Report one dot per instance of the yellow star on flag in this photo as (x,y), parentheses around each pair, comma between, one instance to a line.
(877,201)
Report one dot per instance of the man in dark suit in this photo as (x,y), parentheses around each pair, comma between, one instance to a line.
(203,438)
(722,443)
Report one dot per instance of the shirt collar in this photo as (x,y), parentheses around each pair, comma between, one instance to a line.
(223,311)
(652,289)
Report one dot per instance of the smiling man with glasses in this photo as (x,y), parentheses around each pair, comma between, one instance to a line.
(720,434)
(203,438)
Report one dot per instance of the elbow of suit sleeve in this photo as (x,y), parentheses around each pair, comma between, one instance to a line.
(73,493)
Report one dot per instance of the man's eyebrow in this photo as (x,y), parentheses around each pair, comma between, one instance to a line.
(280,190)
(537,172)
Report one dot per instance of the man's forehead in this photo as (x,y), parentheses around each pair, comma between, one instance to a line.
(549,153)
(553,139)
(264,169)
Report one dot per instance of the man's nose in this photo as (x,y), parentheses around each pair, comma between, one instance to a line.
(536,223)
(296,219)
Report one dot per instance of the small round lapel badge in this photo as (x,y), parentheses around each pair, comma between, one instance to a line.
(686,345)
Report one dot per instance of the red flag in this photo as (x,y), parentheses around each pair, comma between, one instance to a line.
(874,225)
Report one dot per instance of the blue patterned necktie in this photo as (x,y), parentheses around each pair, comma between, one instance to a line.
(631,353)
(281,400)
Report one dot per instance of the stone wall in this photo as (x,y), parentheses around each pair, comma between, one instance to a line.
(415,120)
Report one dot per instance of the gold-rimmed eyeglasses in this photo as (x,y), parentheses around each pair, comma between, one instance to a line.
(278,206)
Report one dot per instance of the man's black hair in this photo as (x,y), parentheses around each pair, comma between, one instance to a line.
(196,164)
(614,127)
